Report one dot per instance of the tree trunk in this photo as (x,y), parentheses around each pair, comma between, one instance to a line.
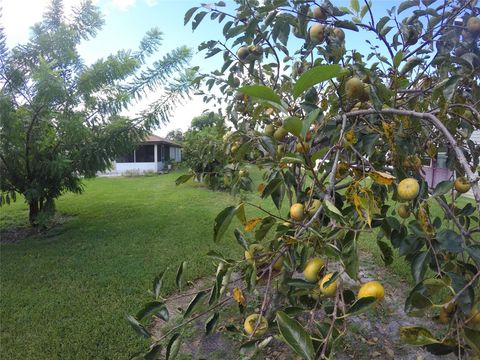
(33,212)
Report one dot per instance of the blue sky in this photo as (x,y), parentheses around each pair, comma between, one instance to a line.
(126,21)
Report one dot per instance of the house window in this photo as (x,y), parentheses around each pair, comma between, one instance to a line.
(128,158)
(160,152)
(145,153)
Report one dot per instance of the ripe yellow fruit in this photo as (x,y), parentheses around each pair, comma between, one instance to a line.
(280,133)
(313,207)
(339,34)
(408,189)
(317,33)
(243,52)
(372,288)
(319,13)
(462,185)
(297,212)
(251,321)
(473,26)
(403,211)
(253,251)
(312,268)
(329,290)
(354,88)
(269,130)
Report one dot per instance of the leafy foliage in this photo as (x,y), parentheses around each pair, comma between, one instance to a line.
(340,137)
(61,120)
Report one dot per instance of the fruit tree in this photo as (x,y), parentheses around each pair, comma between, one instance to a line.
(340,136)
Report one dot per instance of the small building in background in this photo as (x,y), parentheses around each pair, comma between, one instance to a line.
(154,154)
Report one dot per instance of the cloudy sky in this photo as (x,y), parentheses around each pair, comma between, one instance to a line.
(126,21)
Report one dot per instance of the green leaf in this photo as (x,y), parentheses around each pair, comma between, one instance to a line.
(398,59)
(179,277)
(382,22)
(354,5)
(198,19)
(261,92)
(361,305)
(139,328)
(346,25)
(300,284)
(188,15)
(149,309)
(451,241)
(473,338)
(309,120)
(387,252)
(314,76)
(407,4)
(293,125)
(173,347)
(222,221)
(332,208)
(241,239)
(292,160)
(183,179)
(415,335)
(419,266)
(295,336)
(264,227)
(410,65)
(157,284)
(211,323)
(154,353)
(442,188)
(271,187)
(194,303)
(474,252)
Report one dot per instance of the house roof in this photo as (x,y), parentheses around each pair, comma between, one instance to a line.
(157,139)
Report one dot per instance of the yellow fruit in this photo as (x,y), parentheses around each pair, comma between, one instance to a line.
(243,173)
(329,290)
(317,33)
(234,149)
(243,53)
(313,207)
(403,211)
(319,13)
(253,252)
(339,34)
(473,26)
(474,315)
(297,212)
(462,185)
(280,133)
(408,189)
(312,268)
(354,88)
(372,288)
(251,321)
(302,148)
(278,264)
(269,130)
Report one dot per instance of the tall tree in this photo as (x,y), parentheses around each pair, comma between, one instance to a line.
(61,120)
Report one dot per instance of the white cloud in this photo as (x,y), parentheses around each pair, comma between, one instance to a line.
(123,5)
(151,2)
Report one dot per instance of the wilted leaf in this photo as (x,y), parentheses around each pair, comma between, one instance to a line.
(419,336)
(239,297)
(382,178)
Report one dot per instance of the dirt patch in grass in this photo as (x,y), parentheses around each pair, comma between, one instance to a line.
(18,233)
(372,335)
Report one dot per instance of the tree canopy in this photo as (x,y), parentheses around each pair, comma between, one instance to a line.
(61,119)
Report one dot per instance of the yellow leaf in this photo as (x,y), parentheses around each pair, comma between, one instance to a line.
(350,137)
(250,225)
(382,178)
(238,296)
(261,187)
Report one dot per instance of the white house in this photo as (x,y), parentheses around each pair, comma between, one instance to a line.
(153,154)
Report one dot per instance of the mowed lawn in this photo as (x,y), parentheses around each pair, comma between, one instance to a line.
(65,296)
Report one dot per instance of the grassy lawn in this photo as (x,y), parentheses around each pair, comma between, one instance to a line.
(64,295)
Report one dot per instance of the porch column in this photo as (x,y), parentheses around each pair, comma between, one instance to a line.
(155,156)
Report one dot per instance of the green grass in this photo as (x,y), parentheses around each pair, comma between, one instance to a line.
(65,296)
